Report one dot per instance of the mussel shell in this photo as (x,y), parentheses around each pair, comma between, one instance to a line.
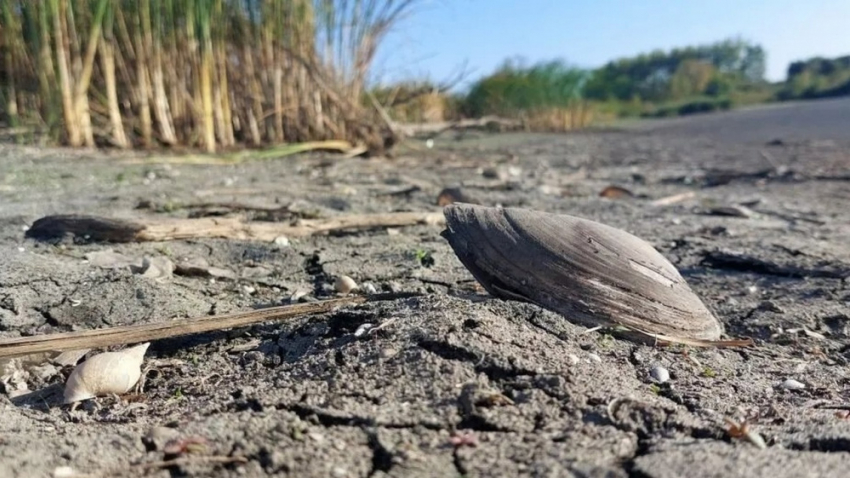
(590,273)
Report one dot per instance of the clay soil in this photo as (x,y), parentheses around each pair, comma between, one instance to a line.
(451,382)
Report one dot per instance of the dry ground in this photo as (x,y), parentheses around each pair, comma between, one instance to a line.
(453,383)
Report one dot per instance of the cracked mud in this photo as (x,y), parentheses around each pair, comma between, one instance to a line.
(452,382)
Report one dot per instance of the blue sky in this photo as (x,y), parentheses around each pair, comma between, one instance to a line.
(442,36)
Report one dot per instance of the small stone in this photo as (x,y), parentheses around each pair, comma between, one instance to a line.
(752,289)
(299,294)
(70,357)
(573,358)
(281,241)
(159,269)
(659,374)
(594,358)
(157,437)
(64,472)
(44,371)
(249,289)
(770,307)
(550,190)
(492,173)
(370,288)
(345,284)
(363,329)
(257,272)
(254,356)
(218,272)
(792,384)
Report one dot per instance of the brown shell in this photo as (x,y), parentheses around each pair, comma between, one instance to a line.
(592,274)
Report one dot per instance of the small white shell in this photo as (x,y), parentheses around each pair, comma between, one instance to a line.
(109,372)
(345,284)
(659,374)
(792,384)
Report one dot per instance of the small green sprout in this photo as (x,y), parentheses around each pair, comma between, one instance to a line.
(424,258)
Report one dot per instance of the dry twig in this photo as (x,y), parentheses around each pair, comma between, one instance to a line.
(118,230)
(129,334)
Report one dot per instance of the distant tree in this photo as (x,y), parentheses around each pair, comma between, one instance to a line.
(661,76)
(692,77)
(817,78)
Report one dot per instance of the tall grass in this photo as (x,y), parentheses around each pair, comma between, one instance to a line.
(415,101)
(546,96)
(198,73)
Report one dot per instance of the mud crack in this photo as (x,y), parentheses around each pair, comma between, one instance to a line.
(382,457)
(314,268)
(328,418)
(482,364)
(746,263)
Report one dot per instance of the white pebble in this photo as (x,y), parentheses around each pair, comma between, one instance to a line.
(659,374)
(594,358)
(792,384)
(345,284)
(249,289)
(363,329)
(64,472)
(281,241)
(370,288)
(298,294)
(573,359)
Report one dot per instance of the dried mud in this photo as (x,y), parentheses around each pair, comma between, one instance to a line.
(452,382)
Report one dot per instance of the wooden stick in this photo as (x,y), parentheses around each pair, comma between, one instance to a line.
(668,200)
(249,155)
(118,230)
(418,129)
(138,333)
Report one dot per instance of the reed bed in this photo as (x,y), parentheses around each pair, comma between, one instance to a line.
(546,96)
(209,74)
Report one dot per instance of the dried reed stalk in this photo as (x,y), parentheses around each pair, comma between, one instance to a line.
(115,230)
(88,339)
(203,73)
